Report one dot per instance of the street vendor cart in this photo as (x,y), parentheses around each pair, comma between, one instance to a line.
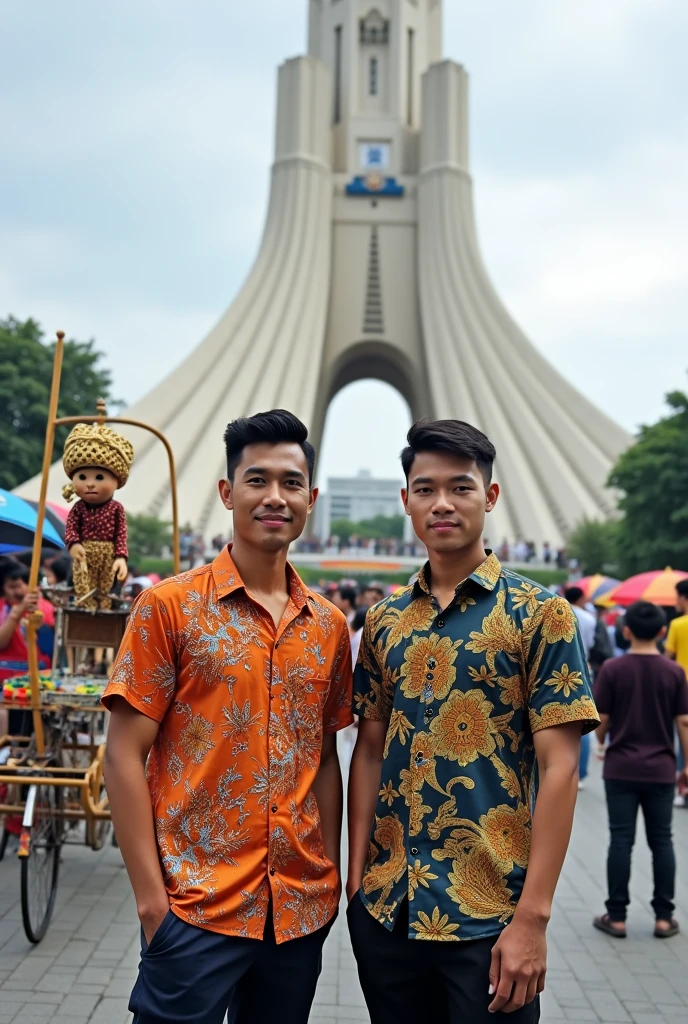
(52,779)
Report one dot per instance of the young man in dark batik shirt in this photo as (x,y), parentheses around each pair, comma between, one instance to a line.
(471,684)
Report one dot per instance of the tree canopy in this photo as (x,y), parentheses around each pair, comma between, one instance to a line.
(26,366)
(148,538)
(653,478)
(594,544)
(378,528)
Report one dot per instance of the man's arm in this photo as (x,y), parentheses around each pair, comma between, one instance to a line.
(519,957)
(327,790)
(130,738)
(603,728)
(682,728)
(364,789)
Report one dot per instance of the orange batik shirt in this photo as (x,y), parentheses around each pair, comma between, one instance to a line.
(243,707)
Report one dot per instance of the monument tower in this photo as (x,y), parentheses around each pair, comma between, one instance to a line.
(370,267)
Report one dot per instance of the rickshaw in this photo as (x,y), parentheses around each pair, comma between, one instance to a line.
(53,778)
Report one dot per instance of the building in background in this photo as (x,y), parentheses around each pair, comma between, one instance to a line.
(356,499)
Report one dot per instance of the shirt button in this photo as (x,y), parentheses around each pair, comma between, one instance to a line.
(440,623)
(429,713)
(274,808)
(414,851)
(272,871)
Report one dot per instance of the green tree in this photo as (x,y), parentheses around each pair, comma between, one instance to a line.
(594,543)
(26,367)
(653,476)
(378,528)
(148,537)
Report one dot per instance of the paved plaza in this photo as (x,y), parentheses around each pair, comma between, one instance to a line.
(84,969)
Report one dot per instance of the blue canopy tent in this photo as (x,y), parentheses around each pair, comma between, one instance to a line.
(18,521)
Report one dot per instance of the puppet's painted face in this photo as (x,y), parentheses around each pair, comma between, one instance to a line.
(94,485)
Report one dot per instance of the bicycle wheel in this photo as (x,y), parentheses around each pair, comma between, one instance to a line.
(4,839)
(40,865)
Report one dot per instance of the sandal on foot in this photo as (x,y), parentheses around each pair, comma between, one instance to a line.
(667,933)
(606,925)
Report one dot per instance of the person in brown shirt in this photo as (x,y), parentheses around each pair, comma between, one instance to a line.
(640,697)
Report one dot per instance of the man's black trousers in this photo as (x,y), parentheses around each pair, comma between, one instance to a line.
(409,982)
(189,974)
(656,800)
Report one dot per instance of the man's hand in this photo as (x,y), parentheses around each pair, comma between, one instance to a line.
(121,570)
(152,917)
(683,781)
(519,964)
(78,552)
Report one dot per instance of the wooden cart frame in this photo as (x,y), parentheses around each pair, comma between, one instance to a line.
(36,780)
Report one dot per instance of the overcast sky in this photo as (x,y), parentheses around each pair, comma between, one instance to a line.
(136,139)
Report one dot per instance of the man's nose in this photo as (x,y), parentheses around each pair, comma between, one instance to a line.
(274,495)
(442,503)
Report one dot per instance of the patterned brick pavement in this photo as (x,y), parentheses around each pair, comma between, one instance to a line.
(84,969)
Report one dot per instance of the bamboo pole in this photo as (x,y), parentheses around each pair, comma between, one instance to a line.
(35,618)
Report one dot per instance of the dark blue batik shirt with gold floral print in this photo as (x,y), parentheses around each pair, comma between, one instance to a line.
(463,690)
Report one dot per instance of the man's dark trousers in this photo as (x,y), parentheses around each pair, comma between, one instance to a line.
(656,800)
(405,981)
(189,974)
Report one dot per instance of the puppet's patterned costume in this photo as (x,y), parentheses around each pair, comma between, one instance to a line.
(101,529)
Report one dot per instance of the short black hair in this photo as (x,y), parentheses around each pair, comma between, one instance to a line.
(13,570)
(682,588)
(275,427)
(573,594)
(347,594)
(61,567)
(645,620)
(453,436)
(359,619)
(377,587)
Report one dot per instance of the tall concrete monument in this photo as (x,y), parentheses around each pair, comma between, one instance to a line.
(370,267)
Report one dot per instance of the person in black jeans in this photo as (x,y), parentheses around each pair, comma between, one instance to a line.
(639,698)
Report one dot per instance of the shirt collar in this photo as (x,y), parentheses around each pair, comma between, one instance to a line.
(486,575)
(228,580)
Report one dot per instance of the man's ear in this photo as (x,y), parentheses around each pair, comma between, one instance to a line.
(492,496)
(313,497)
(404,499)
(226,495)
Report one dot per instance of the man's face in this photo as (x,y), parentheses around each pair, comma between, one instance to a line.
(14,591)
(94,485)
(447,501)
(681,604)
(270,496)
(370,596)
(340,602)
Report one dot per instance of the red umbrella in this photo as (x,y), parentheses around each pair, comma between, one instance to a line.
(659,587)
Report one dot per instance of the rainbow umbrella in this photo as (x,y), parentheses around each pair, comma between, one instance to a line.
(597,587)
(659,587)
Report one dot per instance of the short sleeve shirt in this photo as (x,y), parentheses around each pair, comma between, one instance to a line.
(463,690)
(243,707)
(677,641)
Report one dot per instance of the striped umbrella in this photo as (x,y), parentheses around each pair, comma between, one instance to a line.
(597,587)
(659,587)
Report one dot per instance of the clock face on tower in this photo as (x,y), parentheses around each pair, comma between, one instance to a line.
(374,156)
